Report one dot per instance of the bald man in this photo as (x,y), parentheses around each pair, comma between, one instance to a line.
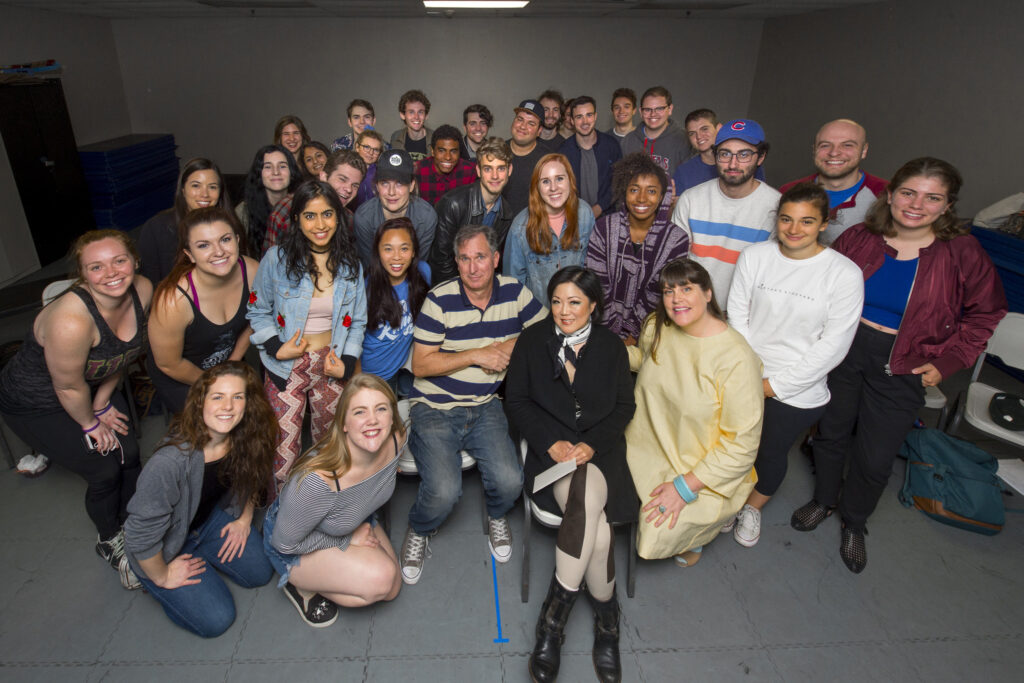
(839,147)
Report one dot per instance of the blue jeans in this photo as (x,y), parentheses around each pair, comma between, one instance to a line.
(436,438)
(206,608)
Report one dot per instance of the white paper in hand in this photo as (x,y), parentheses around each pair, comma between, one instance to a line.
(553,474)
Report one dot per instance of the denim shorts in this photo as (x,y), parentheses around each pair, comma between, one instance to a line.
(281,562)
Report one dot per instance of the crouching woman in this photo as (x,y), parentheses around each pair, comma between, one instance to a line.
(195,500)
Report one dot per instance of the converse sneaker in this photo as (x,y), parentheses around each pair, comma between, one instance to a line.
(728,526)
(128,578)
(748,526)
(499,537)
(415,550)
(317,611)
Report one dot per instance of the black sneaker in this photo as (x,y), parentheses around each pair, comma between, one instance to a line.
(853,550)
(808,517)
(318,612)
(112,549)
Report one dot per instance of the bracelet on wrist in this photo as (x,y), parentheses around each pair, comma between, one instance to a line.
(93,428)
(102,410)
(683,489)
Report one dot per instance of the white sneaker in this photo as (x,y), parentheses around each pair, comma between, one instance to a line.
(415,550)
(727,527)
(128,578)
(748,526)
(499,538)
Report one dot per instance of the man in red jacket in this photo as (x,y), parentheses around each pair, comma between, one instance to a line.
(839,147)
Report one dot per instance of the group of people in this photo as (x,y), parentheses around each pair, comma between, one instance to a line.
(637,308)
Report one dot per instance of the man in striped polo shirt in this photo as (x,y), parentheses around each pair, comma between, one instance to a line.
(727,214)
(461,347)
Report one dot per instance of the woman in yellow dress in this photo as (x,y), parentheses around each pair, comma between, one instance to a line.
(699,401)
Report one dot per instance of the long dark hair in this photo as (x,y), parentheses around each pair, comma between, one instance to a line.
(256,203)
(192,166)
(588,283)
(164,293)
(249,464)
(382,306)
(297,254)
(947,226)
(681,271)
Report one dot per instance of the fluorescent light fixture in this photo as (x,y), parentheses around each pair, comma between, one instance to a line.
(475,4)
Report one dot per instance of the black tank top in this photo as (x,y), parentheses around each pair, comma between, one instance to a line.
(207,344)
(26,385)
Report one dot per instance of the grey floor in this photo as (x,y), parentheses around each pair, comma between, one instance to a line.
(934,604)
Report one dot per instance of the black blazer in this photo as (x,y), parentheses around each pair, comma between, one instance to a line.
(542,409)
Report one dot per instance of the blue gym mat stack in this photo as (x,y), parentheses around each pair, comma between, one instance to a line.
(130,178)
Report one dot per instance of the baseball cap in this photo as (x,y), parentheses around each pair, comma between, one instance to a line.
(532,106)
(747,130)
(395,164)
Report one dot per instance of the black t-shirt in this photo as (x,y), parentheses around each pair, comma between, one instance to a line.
(417,149)
(213,490)
(517,191)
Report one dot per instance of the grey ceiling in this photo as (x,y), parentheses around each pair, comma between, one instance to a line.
(700,9)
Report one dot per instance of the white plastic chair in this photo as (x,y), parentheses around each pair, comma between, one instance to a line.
(936,400)
(532,511)
(1008,344)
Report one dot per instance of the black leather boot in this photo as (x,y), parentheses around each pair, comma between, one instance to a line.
(554,613)
(606,639)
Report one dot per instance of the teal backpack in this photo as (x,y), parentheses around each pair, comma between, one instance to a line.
(952,481)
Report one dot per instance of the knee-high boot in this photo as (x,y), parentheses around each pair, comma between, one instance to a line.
(554,614)
(606,639)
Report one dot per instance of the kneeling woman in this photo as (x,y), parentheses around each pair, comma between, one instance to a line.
(195,500)
(699,401)
(570,395)
(320,533)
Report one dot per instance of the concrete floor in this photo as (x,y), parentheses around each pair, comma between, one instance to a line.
(934,604)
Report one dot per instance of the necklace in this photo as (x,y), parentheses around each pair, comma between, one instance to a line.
(320,251)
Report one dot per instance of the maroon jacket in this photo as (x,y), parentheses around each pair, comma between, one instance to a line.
(955,302)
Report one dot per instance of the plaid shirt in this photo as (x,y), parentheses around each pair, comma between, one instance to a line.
(433,185)
(280,220)
(277,223)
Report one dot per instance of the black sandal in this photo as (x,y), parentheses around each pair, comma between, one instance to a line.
(853,549)
(808,517)
(319,612)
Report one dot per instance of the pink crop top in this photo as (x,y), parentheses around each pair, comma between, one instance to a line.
(319,318)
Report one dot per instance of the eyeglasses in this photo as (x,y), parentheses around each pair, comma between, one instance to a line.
(647,111)
(743,156)
(369,150)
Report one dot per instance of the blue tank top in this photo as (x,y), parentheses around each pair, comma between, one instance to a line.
(887,290)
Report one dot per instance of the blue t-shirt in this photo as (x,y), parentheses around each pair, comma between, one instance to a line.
(839,196)
(386,349)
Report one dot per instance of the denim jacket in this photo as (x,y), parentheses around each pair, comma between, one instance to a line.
(278,307)
(535,270)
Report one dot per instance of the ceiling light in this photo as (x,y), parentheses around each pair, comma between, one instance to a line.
(475,4)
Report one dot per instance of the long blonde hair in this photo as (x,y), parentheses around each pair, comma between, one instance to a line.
(330,453)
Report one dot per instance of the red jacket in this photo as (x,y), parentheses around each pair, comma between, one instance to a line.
(955,302)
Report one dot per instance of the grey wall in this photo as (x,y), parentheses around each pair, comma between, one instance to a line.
(92,89)
(92,72)
(220,86)
(942,78)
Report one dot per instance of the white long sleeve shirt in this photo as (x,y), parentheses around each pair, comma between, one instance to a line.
(799,316)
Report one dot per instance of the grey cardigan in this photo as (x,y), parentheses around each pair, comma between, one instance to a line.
(165,501)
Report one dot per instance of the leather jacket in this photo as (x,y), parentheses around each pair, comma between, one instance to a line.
(462,206)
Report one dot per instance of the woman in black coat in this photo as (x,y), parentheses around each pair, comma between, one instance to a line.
(569,393)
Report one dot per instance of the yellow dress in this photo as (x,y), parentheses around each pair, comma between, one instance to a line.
(698,409)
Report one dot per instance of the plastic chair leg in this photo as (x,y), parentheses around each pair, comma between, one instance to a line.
(527,525)
(631,561)
(8,453)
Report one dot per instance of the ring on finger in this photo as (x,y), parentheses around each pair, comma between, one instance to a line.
(661,509)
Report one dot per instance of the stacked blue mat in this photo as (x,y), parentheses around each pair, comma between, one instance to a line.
(130,178)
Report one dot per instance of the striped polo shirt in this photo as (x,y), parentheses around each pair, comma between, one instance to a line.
(450,321)
(721,227)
